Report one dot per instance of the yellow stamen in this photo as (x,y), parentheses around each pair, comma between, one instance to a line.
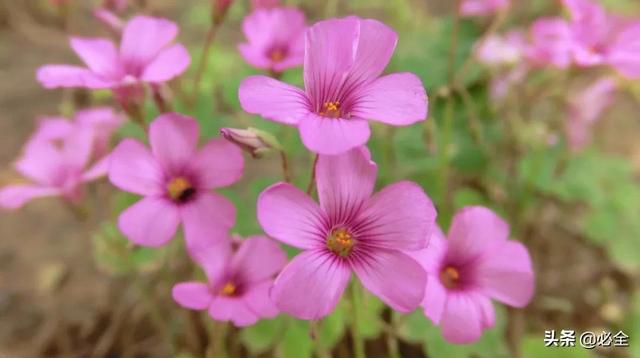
(331,109)
(450,277)
(340,242)
(229,289)
(276,55)
(180,189)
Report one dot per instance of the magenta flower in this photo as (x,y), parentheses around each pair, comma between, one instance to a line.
(176,181)
(498,50)
(551,43)
(145,55)
(350,231)
(264,4)
(585,108)
(343,61)
(602,38)
(476,263)
(57,162)
(275,38)
(482,7)
(101,121)
(238,284)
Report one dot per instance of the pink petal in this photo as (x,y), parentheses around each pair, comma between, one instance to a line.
(207,219)
(132,168)
(462,319)
(214,258)
(173,138)
(487,311)
(192,295)
(399,217)
(15,196)
(170,63)
(435,299)
(232,309)
(273,99)
(433,255)
(55,76)
(625,52)
(258,300)
(333,136)
(144,37)
(150,222)
(397,99)
(474,231)
(330,51)
(258,259)
(78,146)
(376,43)
(218,164)
(311,285)
(289,215)
(100,55)
(97,170)
(40,162)
(345,181)
(551,43)
(506,274)
(395,277)
(255,56)
(52,128)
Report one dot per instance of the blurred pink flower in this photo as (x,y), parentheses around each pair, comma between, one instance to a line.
(482,7)
(343,61)
(57,162)
(145,55)
(477,263)
(275,38)
(585,108)
(603,38)
(502,50)
(551,43)
(109,19)
(175,179)
(238,284)
(102,121)
(504,82)
(350,231)
(265,4)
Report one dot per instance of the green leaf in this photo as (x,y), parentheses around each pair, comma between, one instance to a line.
(262,336)
(533,347)
(296,342)
(332,328)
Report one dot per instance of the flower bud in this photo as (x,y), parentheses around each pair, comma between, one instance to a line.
(251,140)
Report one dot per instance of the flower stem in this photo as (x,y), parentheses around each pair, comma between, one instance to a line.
(392,338)
(286,171)
(312,180)
(204,59)
(358,342)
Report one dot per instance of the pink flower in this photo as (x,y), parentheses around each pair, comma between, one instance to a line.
(145,55)
(343,61)
(482,7)
(350,231)
(502,50)
(477,263)
(602,38)
(175,179)
(265,4)
(275,38)
(550,43)
(238,284)
(109,19)
(57,162)
(585,109)
(101,121)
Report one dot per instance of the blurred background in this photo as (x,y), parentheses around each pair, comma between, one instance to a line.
(72,286)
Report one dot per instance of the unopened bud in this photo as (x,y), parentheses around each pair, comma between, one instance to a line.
(253,141)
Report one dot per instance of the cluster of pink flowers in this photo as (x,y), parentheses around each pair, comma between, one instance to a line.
(388,239)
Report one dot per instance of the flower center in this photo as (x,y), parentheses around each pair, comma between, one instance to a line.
(450,277)
(331,109)
(229,289)
(340,242)
(180,189)
(276,55)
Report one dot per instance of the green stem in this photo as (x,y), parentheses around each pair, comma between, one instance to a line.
(204,59)
(392,338)
(312,180)
(358,342)
(286,171)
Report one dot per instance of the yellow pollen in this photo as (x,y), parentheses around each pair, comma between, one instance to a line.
(229,289)
(340,242)
(180,189)
(276,55)
(450,277)
(331,109)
